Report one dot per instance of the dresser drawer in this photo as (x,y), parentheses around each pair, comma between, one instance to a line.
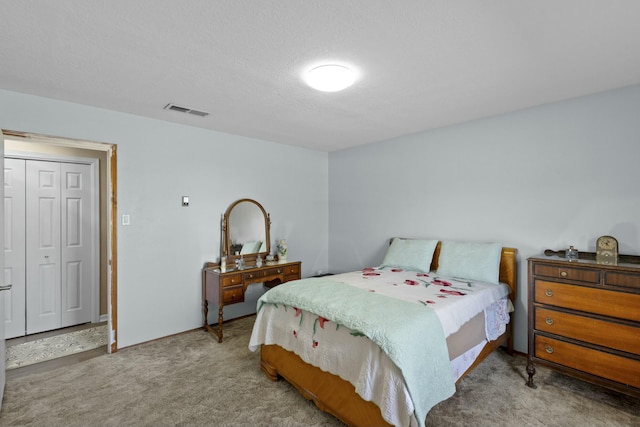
(567,273)
(231,280)
(615,368)
(587,329)
(623,279)
(232,295)
(599,301)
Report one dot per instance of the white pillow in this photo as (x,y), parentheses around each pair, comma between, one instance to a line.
(474,261)
(410,254)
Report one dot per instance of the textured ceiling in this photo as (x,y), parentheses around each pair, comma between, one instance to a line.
(422,64)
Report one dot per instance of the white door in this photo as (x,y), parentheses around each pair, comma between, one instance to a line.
(3,284)
(43,246)
(77,245)
(14,248)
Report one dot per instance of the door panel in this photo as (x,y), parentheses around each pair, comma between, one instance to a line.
(43,246)
(77,244)
(14,247)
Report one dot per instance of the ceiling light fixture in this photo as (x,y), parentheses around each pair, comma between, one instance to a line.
(330,78)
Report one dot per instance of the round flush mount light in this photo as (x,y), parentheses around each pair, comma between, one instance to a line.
(330,78)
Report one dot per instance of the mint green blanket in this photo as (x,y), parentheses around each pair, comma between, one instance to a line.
(410,334)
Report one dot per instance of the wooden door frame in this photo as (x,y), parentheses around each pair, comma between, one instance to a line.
(111,168)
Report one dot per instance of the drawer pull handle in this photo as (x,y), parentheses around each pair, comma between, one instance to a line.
(549,349)
(563,273)
(548,293)
(549,321)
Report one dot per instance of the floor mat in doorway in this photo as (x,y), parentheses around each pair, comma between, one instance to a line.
(54,347)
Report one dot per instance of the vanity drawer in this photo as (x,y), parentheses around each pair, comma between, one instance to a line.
(274,271)
(231,280)
(233,294)
(599,301)
(588,329)
(250,276)
(563,272)
(606,365)
(292,272)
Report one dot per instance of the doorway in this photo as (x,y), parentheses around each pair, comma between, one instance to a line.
(27,144)
(51,225)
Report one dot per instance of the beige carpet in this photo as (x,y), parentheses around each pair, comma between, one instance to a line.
(191,380)
(54,347)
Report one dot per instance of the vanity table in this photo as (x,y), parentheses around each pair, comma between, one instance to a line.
(227,288)
(246,238)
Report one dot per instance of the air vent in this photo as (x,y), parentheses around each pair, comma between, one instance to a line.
(180,109)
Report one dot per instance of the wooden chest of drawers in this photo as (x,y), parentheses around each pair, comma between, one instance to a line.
(584,320)
(227,288)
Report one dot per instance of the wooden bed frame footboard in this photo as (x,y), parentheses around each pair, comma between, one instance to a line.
(338,397)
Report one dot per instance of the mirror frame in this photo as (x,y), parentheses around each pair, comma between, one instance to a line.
(225,249)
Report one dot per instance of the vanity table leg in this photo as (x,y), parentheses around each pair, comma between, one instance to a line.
(211,291)
(217,331)
(206,313)
(220,323)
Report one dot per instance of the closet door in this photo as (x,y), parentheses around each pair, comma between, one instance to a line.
(43,246)
(14,247)
(77,244)
(3,284)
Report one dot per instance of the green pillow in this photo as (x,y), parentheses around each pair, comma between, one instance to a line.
(250,248)
(410,254)
(474,261)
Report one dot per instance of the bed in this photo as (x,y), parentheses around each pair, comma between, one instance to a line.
(363,372)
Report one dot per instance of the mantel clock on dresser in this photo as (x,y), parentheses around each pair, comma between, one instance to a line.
(607,250)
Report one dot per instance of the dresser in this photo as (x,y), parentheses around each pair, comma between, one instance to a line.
(221,289)
(584,321)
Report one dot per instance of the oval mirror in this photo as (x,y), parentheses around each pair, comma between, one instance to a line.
(245,230)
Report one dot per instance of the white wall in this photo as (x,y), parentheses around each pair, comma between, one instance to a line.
(161,254)
(546,177)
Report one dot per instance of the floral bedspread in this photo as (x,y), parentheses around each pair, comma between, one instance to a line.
(454,300)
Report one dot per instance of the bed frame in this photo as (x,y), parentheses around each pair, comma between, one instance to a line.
(338,397)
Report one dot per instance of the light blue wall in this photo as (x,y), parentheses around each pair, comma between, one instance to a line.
(160,255)
(547,177)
